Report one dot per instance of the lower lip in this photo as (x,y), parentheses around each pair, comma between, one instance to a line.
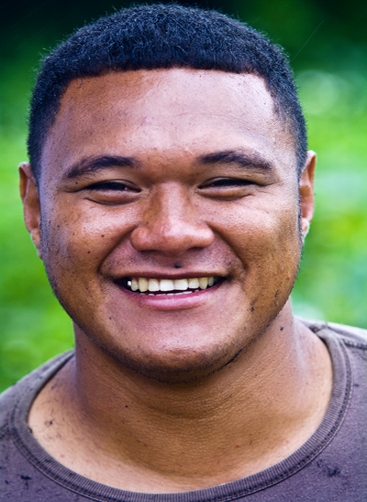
(172,302)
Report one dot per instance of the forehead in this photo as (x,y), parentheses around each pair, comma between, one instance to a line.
(167,110)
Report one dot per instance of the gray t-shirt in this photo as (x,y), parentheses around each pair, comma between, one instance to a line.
(330,466)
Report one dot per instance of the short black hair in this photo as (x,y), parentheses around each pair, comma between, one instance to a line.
(163,36)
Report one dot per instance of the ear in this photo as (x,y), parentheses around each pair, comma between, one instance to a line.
(31,204)
(306,192)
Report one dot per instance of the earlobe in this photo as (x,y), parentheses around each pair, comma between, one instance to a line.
(31,204)
(306,193)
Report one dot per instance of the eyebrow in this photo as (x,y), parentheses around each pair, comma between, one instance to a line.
(243,159)
(94,164)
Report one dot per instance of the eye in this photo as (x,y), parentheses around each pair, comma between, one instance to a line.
(228,188)
(226,182)
(112,185)
(112,192)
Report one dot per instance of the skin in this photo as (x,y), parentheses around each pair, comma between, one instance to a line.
(204,178)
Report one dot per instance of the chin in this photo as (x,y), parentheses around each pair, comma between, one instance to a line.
(181,366)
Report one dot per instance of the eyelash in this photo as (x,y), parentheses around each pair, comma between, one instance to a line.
(119,186)
(116,186)
(226,182)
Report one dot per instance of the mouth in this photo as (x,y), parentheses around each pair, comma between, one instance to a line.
(166,287)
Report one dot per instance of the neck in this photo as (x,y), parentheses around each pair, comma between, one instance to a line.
(249,415)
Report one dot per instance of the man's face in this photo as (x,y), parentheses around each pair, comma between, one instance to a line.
(180,181)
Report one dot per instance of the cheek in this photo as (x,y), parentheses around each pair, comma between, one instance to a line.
(74,241)
(259,231)
(74,246)
(266,242)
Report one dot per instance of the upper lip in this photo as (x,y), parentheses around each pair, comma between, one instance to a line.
(172,276)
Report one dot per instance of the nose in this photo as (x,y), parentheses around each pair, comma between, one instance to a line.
(171,224)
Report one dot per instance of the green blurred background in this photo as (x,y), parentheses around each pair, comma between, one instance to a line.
(327,46)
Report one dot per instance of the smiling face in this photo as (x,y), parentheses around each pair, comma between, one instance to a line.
(169,216)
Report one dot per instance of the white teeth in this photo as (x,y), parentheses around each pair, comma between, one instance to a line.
(203,282)
(194,283)
(153,285)
(181,284)
(143,284)
(168,286)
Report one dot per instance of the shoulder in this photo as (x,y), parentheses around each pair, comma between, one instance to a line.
(349,335)
(27,388)
(347,346)
(353,337)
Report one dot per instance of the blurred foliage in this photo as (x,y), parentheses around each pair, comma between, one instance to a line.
(327,46)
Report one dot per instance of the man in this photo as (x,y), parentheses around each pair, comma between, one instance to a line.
(169,193)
